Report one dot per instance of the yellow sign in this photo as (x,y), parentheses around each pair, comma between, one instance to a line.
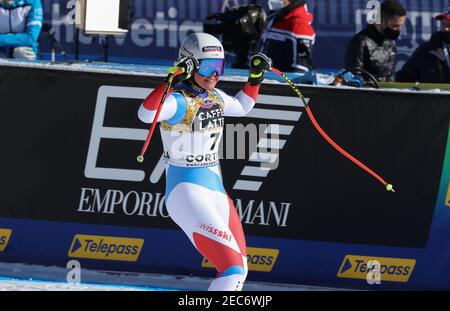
(258,259)
(5,234)
(105,247)
(447,198)
(391,269)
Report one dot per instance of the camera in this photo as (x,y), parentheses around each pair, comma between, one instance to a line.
(240,28)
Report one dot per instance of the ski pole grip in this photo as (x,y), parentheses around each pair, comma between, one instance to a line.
(179,71)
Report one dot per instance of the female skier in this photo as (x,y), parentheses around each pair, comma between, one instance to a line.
(191,124)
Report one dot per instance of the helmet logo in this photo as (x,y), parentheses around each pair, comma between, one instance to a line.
(207,49)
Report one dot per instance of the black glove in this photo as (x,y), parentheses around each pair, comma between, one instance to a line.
(259,64)
(189,64)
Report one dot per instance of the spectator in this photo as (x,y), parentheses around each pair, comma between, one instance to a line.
(374,49)
(20,25)
(289,36)
(430,63)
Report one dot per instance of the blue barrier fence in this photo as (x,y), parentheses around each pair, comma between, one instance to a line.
(159,26)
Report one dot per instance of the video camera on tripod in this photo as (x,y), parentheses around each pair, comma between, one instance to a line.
(240,28)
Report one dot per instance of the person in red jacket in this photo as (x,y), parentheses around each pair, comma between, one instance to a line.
(289,36)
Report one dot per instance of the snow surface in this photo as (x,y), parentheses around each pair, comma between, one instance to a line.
(24,277)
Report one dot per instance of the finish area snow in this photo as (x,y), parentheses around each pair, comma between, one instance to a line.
(24,277)
(32,285)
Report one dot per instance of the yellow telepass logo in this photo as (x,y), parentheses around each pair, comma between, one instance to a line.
(258,259)
(447,198)
(5,234)
(391,269)
(105,247)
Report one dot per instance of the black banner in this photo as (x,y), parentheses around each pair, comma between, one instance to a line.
(70,141)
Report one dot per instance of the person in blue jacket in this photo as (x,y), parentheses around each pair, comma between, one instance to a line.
(20,26)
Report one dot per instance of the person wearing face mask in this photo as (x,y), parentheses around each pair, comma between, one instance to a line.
(20,26)
(430,63)
(374,48)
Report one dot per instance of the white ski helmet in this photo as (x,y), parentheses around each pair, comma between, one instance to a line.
(201,46)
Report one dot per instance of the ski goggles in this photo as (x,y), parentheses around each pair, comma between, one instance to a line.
(210,65)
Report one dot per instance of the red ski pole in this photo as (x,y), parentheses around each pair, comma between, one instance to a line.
(140,157)
(388,186)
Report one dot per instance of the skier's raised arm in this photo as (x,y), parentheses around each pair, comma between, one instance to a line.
(244,100)
(147,110)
